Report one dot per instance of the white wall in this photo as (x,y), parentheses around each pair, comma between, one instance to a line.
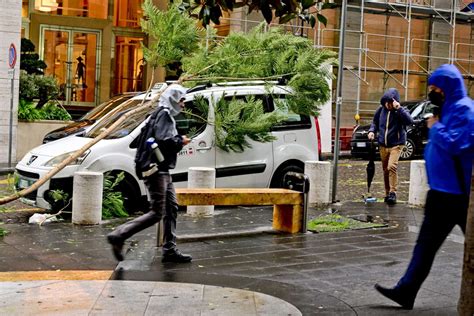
(10,32)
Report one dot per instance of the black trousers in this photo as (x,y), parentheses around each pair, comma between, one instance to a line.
(162,200)
(442,212)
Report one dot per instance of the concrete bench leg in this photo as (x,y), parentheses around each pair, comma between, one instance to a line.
(288,218)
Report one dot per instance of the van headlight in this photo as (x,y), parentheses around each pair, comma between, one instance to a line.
(58,159)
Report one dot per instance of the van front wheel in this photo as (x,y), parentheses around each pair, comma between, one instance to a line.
(130,190)
(278,180)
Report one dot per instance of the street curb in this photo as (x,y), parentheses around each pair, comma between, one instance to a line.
(329,156)
(6,170)
(240,233)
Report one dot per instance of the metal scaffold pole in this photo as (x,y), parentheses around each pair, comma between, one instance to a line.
(340,73)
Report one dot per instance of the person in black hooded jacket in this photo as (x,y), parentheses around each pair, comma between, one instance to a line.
(159,185)
(389,123)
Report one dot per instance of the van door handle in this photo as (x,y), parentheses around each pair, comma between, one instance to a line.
(203,148)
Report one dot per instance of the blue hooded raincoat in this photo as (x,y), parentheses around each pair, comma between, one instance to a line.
(452,136)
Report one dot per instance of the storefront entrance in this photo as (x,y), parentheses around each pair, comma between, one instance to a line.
(73,57)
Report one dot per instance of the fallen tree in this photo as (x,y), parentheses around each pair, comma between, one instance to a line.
(258,55)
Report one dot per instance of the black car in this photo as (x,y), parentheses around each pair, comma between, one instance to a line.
(89,118)
(417,133)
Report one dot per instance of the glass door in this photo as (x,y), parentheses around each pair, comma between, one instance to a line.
(129,65)
(72,56)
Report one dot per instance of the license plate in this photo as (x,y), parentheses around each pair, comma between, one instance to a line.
(24,183)
(361,144)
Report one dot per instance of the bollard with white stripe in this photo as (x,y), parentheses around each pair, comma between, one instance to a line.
(87,198)
(319,173)
(201,177)
(418,183)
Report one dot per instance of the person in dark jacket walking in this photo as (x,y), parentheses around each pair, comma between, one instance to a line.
(449,158)
(389,123)
(159,185)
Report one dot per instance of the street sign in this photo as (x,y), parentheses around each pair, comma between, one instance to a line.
(12,56)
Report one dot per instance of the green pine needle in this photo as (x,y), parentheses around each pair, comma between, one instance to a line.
(261,54)
(173,34)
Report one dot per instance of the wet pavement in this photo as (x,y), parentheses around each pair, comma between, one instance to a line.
(325,273)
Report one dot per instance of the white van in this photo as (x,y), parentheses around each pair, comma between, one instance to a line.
(262,165)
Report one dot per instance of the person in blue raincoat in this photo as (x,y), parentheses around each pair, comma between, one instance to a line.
(389,123)
(449,160)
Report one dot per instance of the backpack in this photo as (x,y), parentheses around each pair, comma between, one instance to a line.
(144,157)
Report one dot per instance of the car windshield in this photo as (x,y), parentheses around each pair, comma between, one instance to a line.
(104,108)
(418,109)
(126,127)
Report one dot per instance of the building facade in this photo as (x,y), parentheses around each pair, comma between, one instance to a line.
(389,43)
(10,23)
(92,47)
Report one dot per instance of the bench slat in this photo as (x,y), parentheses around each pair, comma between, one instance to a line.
(238,196)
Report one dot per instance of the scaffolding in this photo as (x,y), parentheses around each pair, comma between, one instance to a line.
(375,58)
(369,53)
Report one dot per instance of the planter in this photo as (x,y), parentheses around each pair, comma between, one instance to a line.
(30,134)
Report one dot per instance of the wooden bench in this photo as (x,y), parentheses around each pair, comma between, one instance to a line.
(289,211)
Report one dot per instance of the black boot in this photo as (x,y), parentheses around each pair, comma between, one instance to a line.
(392,198)
(117,246)
(176,256)
(405,300)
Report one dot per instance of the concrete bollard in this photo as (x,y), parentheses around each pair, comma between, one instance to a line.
(87,198)
(418,183)
(201,177)
(319,173)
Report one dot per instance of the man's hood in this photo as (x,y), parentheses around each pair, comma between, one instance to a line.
(171,97)
(389,95)
(449,79)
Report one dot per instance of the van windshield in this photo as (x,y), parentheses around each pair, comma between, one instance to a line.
(106,107)
(126,127)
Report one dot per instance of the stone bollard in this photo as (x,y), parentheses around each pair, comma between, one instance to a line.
(319,173)
(87,198)
(201,177)
(418,183)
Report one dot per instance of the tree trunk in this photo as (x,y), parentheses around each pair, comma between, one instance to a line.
(466,300)
(79,152)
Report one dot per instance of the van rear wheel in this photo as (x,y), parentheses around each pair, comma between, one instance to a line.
(278,180)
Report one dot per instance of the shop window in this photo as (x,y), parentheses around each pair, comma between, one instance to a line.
(129,65)
(71,57)
(83,8)
(24,8)
(128,13)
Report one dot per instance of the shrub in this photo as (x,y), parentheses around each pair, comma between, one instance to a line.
(27,111)
(112,201)
(40,87)
(29,60)
(52,111)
